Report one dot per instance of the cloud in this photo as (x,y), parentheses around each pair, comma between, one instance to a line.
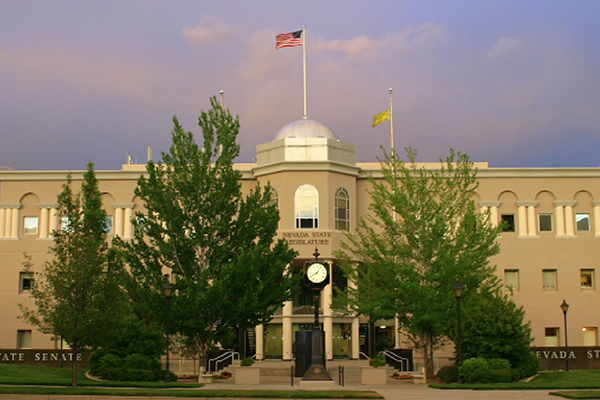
(80,70)
(406,40)
(208,30)
(504,47)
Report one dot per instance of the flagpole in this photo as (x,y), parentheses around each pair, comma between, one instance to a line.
(304,66)
(392,122)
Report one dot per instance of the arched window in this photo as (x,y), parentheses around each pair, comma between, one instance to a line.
(307,207)
(274,198)
(342,210)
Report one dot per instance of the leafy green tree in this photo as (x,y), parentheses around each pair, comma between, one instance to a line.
(219,245)
(423,232)
(493,326)
(78,295)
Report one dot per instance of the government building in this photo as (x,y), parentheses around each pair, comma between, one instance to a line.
(548,252)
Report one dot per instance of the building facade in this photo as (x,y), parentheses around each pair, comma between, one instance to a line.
(549,252)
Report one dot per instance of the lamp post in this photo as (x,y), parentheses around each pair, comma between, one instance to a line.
(458,292)
(565,307)
(168,292)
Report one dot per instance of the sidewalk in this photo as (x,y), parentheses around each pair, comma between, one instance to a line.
(400,390)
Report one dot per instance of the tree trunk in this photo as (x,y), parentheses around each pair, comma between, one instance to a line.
(74,367)
(429,368)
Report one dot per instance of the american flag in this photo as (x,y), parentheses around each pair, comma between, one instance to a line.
(292,39)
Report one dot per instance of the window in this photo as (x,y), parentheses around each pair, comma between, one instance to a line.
(589,336)
(587,278)
(511,279)
(25,281)
(551,337)
(307,207)
(274,198)
(545,222)
(549,279)
(30,225)
(342,210)
(108,224)
(24,339)
(65,225)
(583,222)
(508,222)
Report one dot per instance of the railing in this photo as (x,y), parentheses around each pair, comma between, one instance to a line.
(361,354)
(403,362)
(222,358)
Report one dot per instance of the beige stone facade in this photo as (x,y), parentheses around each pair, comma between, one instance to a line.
(550,254)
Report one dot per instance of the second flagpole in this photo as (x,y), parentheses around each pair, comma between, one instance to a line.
(304,67)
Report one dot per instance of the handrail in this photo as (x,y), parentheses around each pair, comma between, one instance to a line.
(221,358)
(397,358)
(360,353)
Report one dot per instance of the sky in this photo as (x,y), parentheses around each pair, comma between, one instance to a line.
(513,83)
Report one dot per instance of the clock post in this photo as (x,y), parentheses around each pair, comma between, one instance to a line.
(316,277)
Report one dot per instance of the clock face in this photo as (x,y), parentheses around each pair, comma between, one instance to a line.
(316,273)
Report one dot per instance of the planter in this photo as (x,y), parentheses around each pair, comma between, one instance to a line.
(373,376)
(246,375)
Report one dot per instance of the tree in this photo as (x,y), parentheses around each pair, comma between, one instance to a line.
(423,233)
(219,245)
(78,295)
(493,326)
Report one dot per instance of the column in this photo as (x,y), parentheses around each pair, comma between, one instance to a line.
(527,218)
(559,210)
(492,206)
(355,342)
(327,297)
(397,337)
(128,230)
(596,205)
(14,226)
(118,221)
(7,221)
(2,219)
(260,342)
(531,225)
(43,222)
(288,334)
(53,226)
(522,220)
(569,219)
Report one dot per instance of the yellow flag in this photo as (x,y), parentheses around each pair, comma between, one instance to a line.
(379,118)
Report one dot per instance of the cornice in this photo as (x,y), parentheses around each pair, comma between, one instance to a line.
(304,166)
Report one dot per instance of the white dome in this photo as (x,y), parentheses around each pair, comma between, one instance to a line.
(305,128)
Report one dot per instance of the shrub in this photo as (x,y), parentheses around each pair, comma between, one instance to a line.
(479,376)
(247,362)
(498,363)
(116,374)
(141,362)
(111,361)
(472,368)
(529,365)
(448,373)
(500,375)
(378,361)
(140,375)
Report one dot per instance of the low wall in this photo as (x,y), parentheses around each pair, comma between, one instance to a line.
(43,358)
(554,358)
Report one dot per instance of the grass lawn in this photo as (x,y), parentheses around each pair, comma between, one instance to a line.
(36,377)
(554,380)
(11,374)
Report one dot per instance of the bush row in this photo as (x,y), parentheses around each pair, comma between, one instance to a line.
(134,368)
(495,370)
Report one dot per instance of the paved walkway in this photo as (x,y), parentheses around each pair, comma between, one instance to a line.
(404,391)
